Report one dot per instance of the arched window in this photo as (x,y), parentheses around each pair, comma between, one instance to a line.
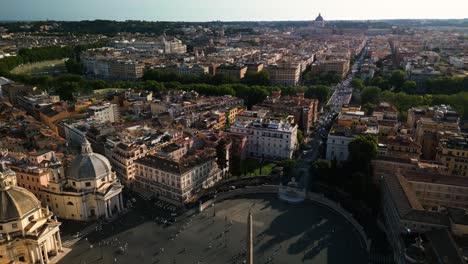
(69,203)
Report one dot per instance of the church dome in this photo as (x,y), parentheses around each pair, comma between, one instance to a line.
(15,202)
(89,165)
(319,18)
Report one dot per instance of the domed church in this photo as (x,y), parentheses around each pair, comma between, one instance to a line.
(28,233)
(89,191)
(319,21)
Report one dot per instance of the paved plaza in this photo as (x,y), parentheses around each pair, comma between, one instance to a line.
(283,233)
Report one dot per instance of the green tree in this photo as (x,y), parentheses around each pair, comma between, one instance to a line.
(380,82)
(287,166)
(371,94)
(319,92)
(74,67)
(362,149)
(300,138)
(409,87)
(257,78)
(357,83)
(397,79)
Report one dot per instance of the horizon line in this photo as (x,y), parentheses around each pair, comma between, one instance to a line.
(222,21)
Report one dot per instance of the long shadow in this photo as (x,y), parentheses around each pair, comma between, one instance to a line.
(317,233)
(126,222)
(317,229)
(289,224)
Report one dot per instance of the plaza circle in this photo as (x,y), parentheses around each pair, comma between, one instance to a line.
(283,233)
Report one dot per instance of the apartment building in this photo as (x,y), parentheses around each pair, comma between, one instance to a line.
(428,128)
(194,69)
(284,73)
(125,70)
(305,111)
(105,113)
(349,124)
(339,66)
(399,146)
(122,159)
(268,139)
(234,71)
(177,181)
(453,153)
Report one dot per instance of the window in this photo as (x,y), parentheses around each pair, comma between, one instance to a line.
(1,227)
(14,225)
(31,218)
(88,184)
(70,203)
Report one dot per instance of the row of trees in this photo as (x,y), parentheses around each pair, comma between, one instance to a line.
(329,78)
(373,95)
(250,78)
(398,81)
(68,84)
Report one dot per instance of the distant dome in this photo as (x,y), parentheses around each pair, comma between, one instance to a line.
(15,202)
(89,165)
(319,18)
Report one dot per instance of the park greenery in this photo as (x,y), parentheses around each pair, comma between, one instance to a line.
(398,90)
(328,79)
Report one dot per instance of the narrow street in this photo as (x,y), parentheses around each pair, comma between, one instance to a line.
(342,95)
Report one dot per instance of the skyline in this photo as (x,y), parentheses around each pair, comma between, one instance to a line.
(223,10)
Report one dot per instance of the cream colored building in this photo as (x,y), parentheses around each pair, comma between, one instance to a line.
(285,73)
(89,191)
(426,134)
(268,139)
(28,233)
(176,181)
(122,158)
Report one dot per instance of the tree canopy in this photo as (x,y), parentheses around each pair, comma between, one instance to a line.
(371,94)
(362,149)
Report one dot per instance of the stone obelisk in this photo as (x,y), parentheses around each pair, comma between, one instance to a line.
(249,239)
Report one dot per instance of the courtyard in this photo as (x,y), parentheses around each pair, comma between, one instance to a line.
(283,233)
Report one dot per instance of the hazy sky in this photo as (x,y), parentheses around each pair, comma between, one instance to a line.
(230,10)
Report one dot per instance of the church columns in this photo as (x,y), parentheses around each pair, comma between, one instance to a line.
(121,202)
(46,250)
(105,209)
(108,208)
(31,253)
(58,240)
(109,203)
(39,253)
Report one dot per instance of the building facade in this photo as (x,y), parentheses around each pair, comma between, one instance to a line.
(28,233)
(89,191)
(105,113)
(177,181)
(453,153)
(267,139)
